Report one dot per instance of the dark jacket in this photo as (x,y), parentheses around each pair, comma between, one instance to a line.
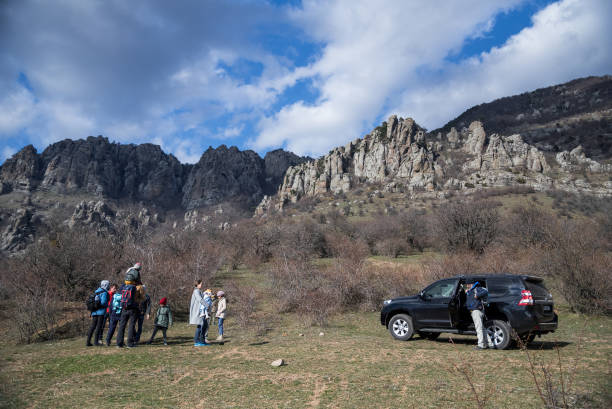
(472,303)
(145,306)
(163,316)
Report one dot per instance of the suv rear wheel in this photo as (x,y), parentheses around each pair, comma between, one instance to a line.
(400,327)
(500,333)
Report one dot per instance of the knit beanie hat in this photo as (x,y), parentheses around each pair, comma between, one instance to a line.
(105,285)
(137,266)
(163,301)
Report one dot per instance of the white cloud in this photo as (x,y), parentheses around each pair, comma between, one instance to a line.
(7,152)
(124,69)
(147,70)
(569,39)
(233,131)
(16,110)
(373,53)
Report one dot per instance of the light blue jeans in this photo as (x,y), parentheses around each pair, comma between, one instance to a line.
(220,323)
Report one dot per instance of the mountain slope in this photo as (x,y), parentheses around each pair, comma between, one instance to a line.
(553,119)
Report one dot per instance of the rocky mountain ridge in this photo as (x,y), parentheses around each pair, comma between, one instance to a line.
(402,156)
(144,173)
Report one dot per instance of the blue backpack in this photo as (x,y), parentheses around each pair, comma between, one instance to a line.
(116,304)
(481,293)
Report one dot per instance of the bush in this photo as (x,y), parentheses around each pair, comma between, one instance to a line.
(466,225)
(580,265)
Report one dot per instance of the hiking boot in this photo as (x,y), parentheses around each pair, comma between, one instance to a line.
(88,344)
(219,338)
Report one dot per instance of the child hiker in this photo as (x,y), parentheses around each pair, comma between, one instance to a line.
(204,311)
(163,320)
(221,307)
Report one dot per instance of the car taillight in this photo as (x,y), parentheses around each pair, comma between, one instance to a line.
(526,298)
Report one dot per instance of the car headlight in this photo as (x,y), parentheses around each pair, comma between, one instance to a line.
(387,302)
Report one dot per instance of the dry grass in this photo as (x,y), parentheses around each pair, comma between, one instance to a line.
(355,364)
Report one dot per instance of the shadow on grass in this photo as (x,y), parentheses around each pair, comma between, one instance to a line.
(256,344)
(534,345)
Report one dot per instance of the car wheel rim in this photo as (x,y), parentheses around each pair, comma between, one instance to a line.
(496,334)
(400,328)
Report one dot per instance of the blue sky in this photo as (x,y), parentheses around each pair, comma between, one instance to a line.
(301,75)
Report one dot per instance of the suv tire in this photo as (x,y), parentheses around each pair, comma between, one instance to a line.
(400,327)
(429,335)
(500,333)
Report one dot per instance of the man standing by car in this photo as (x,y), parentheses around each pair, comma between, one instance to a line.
(475,304)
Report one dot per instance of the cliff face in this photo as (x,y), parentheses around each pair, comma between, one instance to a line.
(21,172)
(134,172)
(395,150)
(553,119)
(401,156)
(144,173)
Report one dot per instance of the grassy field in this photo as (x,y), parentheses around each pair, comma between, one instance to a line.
(354,364)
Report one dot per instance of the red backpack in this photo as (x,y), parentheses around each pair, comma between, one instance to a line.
(128,296)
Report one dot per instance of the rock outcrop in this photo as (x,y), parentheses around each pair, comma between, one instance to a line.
(20,230)
(276,163)
(21,172)
(97,215)
(553,119)
(96,166)
(576,159)
(402,156)
(499,152)
(396,150)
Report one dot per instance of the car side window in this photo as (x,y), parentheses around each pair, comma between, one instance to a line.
(441,289)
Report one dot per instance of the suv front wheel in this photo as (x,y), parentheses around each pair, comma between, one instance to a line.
(400,327)
(500,333)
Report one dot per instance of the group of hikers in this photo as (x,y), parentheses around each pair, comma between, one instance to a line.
(129,304)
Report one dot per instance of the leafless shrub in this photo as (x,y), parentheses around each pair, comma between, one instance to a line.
(502,191)
(527,227)
(553,381)
(391,247)
(467,225)
(350,253)
(578,261)
(464,368)
(244,302)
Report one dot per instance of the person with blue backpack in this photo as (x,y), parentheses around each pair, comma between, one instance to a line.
(114,316)
(132,294)
(96,303)
(475,303)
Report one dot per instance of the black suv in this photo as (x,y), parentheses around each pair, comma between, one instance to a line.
(518,306)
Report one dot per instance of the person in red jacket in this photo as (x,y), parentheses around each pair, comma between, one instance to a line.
(111,292)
